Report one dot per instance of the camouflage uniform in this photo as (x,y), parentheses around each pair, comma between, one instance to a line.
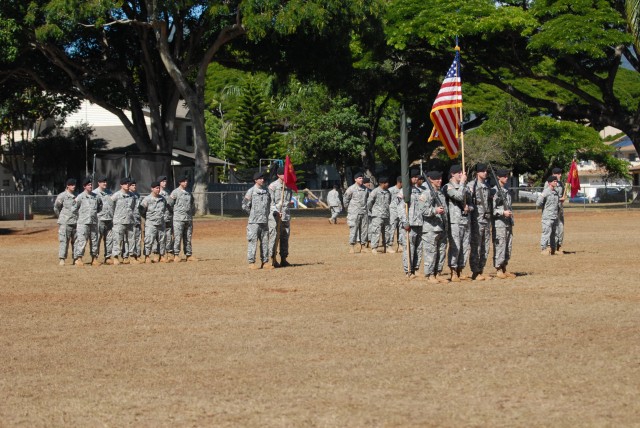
(434,231)
(459,242)
(256,203)
(64,208)
(394,220)
(415,222)
(333,200)
(88,205)
(134,249)
(502,227)
(355,199)
(168,223)
(184,207)
(153,209)
(279,204)
(378,204)
(560,227)
(549,201)
(122,221)
(105,222)
(480,224)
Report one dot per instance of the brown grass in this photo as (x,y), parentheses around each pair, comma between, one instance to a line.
(335,340)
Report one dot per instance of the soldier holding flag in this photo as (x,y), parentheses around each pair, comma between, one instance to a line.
(281,192)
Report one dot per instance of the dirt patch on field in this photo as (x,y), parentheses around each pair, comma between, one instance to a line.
(334,340)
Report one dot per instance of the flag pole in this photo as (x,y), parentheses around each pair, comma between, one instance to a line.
(460,117)
(406,180)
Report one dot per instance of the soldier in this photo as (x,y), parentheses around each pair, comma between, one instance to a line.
(256,203)
(335,205)
(378,205)
(557,172)
(105,219)
(394,220)
(412,224)
(88,205)
(355,199)
(135,250)
(184,207)
(280,219)
(366,182)
(549,201)
(459,207)
(480,222)
(168,220)
(64,209)
(433,208)
(502,226)
(122,221)
(152,209)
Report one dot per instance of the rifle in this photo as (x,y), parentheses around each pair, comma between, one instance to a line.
(501,193)
(434,195)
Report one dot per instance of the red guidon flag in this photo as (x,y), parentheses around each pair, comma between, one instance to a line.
(290,175)
(446,110)
(573,179)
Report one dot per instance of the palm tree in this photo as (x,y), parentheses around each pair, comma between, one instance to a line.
(632,9)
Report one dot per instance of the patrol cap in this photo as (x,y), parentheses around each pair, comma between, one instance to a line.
(434,175)
(280,170)
(415,173)
(162,178)
(155,184)
(552,178)
(71,182)
(87,180)
(183,178)
(556,171)
(358,175)
(124,180)
(481,167)
(383,179)
(258,175)
(455,169)
(422,177)
(502,173)
(102,178)
(399,179)
(366,180)
(132,181)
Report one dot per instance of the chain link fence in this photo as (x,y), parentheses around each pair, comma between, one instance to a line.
(313,202)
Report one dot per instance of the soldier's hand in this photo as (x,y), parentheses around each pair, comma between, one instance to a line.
(507,213)
(463,177)
(407,228)
(439,210)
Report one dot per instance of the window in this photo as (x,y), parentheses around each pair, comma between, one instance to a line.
(189,136)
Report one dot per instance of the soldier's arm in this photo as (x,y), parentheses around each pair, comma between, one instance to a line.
(455,194)
(246,201)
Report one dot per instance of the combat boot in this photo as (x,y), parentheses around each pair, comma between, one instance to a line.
(454,275)
(268,266)
(508,274)
(78,262)
(362,246)
(162,258)
(477,276)
(500,274)
(108,261)
(116,261)
(546,252)
(255,266)
(391,251)
(274,262)
(125,261)
(352,249)
(375,251)
(176,258)
(191,258)
(134,261)
(462,276)
(61,262)
(284,262)
(441,279)
(95,261)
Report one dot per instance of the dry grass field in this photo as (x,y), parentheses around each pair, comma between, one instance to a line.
(335,340)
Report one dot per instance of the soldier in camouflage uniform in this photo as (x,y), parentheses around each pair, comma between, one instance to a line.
(433,207)
(378,205)
(134,250)
(168,220)
(257,203)
(459,207)
(355,199)
(502,226)
(335,204)
(64,209)
(88,205)
(122,221)
(280,196)
(549,201)
(394,220)
(105,219)
(560,191)
(152,209)
(480,223)
(184,207)
(413,224)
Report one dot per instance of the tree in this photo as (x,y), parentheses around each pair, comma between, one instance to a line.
(559,57)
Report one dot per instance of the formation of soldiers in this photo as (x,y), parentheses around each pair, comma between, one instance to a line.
(455,223)
(115,219)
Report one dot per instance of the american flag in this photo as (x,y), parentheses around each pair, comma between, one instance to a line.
(446,110)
